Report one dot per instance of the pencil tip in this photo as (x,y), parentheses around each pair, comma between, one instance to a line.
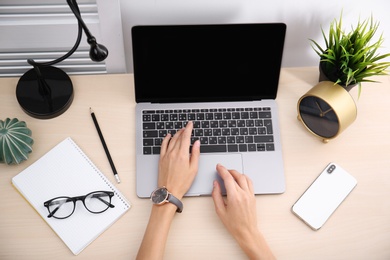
(90,110)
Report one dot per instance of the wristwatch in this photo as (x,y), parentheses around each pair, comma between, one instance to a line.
(161,196)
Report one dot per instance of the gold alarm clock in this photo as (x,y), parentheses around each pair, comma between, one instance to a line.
(326,110)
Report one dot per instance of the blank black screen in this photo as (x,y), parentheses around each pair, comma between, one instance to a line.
(193,63)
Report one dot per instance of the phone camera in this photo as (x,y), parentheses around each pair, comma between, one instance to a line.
(331,168)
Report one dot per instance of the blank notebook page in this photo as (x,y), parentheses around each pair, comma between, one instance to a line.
(67,171)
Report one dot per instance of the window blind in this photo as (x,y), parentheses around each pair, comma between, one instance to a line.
(45,30)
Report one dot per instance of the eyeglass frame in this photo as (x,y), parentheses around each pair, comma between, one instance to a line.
(75,199)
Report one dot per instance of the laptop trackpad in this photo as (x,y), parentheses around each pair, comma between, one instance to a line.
(207,173)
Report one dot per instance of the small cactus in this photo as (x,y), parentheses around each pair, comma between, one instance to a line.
(15,141)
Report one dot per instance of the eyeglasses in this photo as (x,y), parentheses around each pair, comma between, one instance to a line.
(95,202)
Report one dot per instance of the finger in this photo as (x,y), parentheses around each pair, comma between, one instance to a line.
(185,140)
(164,145)
(174,140)
(219,203)
(230,183)
(241,179)
(195,154)
(250,185)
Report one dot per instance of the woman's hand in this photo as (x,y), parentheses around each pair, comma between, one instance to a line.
(238,212)
(177,167)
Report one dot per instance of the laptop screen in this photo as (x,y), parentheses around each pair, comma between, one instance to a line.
(204,63)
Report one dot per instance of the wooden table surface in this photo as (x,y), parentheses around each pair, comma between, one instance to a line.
(359,229)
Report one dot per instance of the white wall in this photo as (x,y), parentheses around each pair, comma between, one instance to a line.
(304,19)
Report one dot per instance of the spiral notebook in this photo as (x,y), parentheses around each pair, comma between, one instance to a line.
(67,171)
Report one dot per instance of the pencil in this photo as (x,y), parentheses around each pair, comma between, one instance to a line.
(104,145)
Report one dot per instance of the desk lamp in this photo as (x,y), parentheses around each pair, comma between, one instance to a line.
(45,91)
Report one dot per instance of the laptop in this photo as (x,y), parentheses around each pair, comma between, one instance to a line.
(224,78)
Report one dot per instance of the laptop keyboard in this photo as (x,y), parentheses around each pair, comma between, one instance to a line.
(218,129)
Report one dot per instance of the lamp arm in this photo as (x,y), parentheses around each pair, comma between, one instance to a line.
(76,11)
(97,52)
(76,45)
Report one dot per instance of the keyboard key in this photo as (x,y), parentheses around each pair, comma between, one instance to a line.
(160,125)
(242,147)
(209,116)
(155,117)
(168,125)
(213,140)
(231,140)
(260,147)
(214,124)
(148,150)
(218,116)
(261,131)
(205,124)
(178,125)
(236,115)
(150,134)
(264,139)
(240,123)
(146,118)
(222,140)
(240,139)
(204,140)
(198,132)
(234,131)
(200,116)
(253,115)
(223,124)
(244,115)
(227,115)
(213,148)
(149,126)
(243,131)
(251,147)
(248,139)
(191,116)
(156,150)
(148,142)
(158,141)
(264,114)
(208,132)
(183,117)
(217,132)
(232,148)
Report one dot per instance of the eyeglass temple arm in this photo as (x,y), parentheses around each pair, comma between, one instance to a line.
(53,212)
(105,202)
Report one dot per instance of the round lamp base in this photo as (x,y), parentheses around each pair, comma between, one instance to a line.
(35,103)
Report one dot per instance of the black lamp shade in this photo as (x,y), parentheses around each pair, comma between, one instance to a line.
(98,52)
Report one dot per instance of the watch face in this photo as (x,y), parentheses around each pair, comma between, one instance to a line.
(159,195)
(319,117)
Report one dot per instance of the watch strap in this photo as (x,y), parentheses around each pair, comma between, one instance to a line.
(175,201)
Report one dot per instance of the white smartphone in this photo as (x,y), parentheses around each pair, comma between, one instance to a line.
(324,195)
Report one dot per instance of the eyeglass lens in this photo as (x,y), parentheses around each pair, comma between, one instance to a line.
(95,202)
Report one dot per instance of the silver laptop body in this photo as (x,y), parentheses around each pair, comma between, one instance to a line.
(210,74)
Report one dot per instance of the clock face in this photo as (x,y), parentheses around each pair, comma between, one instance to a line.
(159,195)
(319,117)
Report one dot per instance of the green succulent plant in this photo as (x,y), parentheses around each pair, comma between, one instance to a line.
(15,141)
(351,58)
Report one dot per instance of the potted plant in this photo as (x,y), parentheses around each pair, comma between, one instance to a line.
(15,141)
(351,58)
